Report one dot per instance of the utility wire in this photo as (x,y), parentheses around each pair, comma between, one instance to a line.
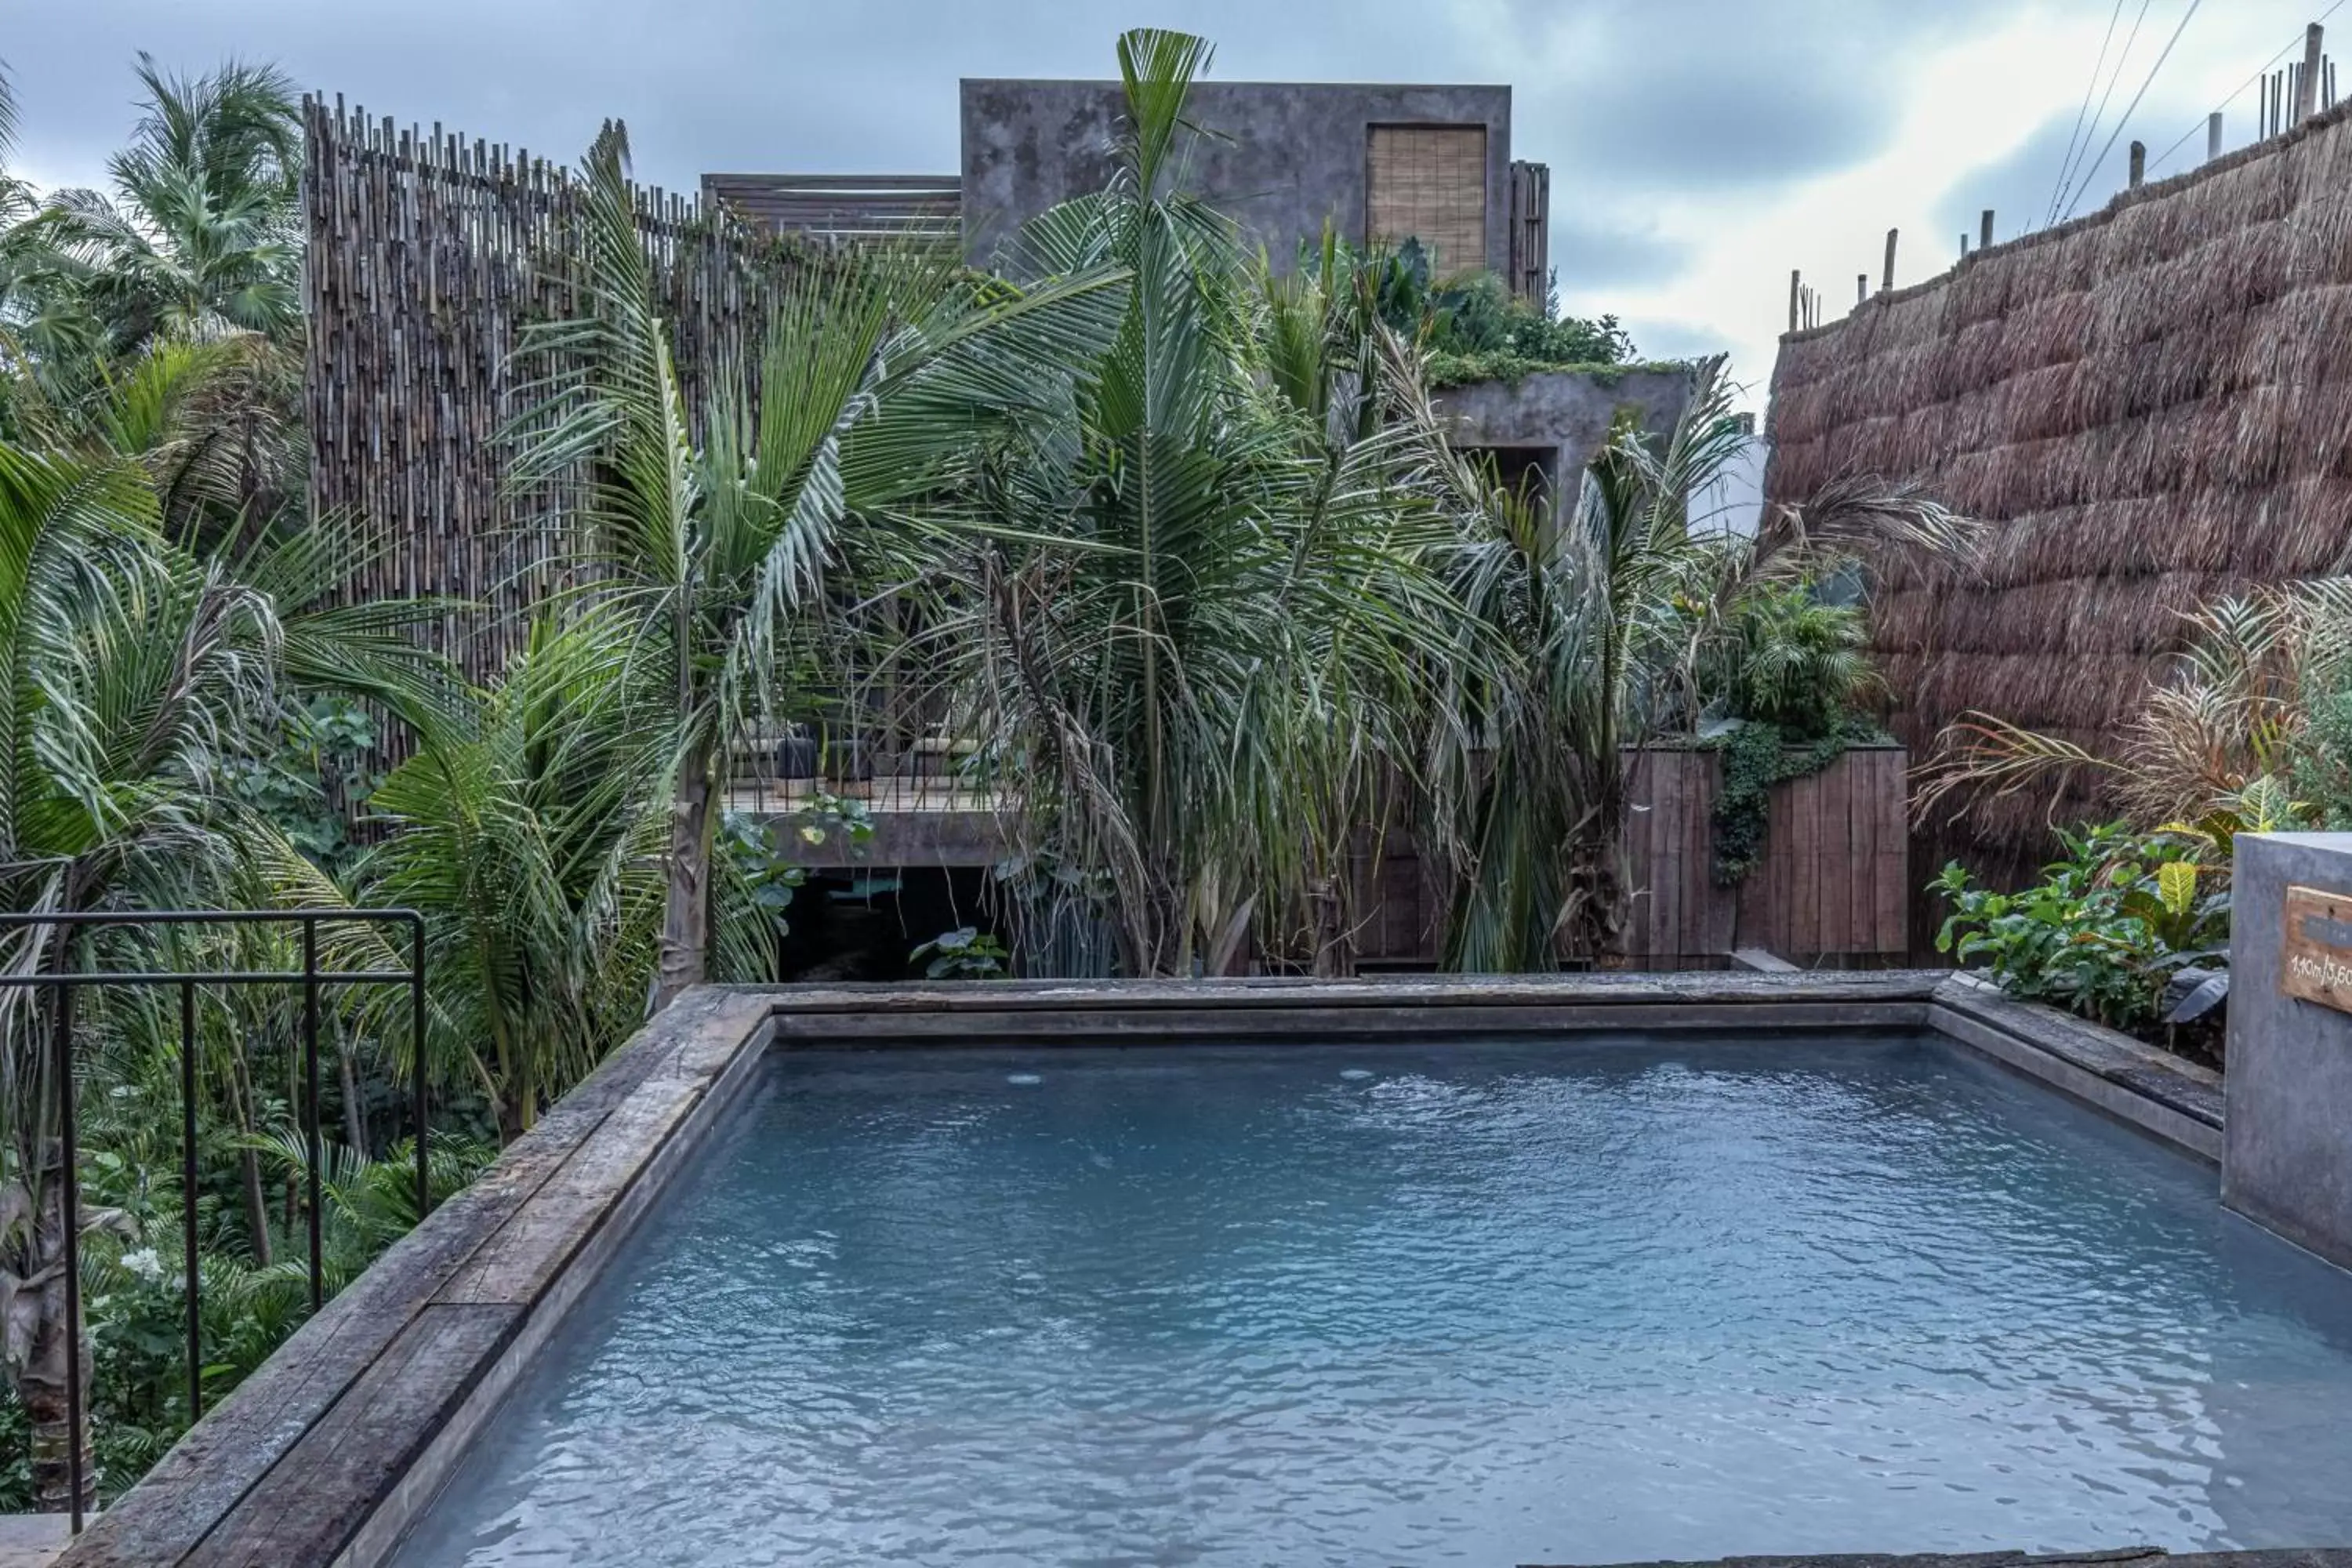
(2090,86)
(2118,131)
(2259,73)
(2067,174)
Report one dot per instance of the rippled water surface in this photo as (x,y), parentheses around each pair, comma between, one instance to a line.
(1394,1304)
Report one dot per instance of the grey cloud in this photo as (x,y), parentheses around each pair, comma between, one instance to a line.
(2021,186)
(1589,252)
(1725,96)
(1701,94)
(1657,337)
(849,85)
(1622,98)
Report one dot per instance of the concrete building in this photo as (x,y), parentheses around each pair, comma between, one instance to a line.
(1378,162)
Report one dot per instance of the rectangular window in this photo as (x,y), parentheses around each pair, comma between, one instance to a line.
(1429,183)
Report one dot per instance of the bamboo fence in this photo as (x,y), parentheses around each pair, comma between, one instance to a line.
(428,254)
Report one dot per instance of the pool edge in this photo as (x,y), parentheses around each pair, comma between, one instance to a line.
(332,1449)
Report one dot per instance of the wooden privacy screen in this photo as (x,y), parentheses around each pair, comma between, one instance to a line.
(1835,882)
(1429,183)
(1834,885)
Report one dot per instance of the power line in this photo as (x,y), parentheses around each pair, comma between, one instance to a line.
(2066,173)
(2090,86)
(2259,72)
(2118,131)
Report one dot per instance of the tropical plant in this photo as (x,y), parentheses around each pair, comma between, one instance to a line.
(878,373)
(1470,325)
(1526,770)
(1192,607)
(1787,659)
(125,667)
(2104,930)
(200,237)
(966,952)
(49,341)
(132,672)
(527,830)
(2233,708)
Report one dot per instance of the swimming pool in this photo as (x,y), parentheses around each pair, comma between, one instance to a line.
(1603,1298)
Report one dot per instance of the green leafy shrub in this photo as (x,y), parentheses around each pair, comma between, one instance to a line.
(1788,672)
(2318,760)
(1474,328)
(2103,932)
(1786,658)
(965,954)
(316,781)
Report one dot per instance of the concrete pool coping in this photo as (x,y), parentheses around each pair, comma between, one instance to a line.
(339,1441)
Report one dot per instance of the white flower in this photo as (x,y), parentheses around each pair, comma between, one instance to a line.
(144,1263)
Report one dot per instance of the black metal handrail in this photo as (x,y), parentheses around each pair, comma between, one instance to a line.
(63,985)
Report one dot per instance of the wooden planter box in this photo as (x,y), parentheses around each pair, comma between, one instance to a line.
(1833,888)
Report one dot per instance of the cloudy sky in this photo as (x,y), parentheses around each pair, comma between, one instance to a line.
(1699,149)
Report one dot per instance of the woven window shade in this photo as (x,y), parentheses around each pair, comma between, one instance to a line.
(1429,183)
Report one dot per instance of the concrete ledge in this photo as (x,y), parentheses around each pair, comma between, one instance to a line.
(1464,992)
(2174,1099)
(31,1540)
(1100,1011)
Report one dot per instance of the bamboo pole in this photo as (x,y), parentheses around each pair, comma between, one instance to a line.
(2306,80)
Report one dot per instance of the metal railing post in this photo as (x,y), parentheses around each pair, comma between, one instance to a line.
(70,1178)
(417,1047)
(190,1271)
(317,1149)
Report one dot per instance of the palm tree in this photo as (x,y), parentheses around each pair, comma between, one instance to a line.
(197,247)
(1191,616)
(1619,617)
(712,538)
(130,668)
(48,339)
(124,668)
(201,236)
(1526,779)
(528,829)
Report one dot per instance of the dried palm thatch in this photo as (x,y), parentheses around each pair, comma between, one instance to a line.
(2151,411)
(2215,720)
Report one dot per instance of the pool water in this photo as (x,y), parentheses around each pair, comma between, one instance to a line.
(1359,1304)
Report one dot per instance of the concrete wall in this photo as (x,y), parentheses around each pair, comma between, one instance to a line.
(1281,158)
(2287,1147)
(1565,413)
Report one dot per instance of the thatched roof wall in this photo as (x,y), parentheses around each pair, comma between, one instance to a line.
(2151,406)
